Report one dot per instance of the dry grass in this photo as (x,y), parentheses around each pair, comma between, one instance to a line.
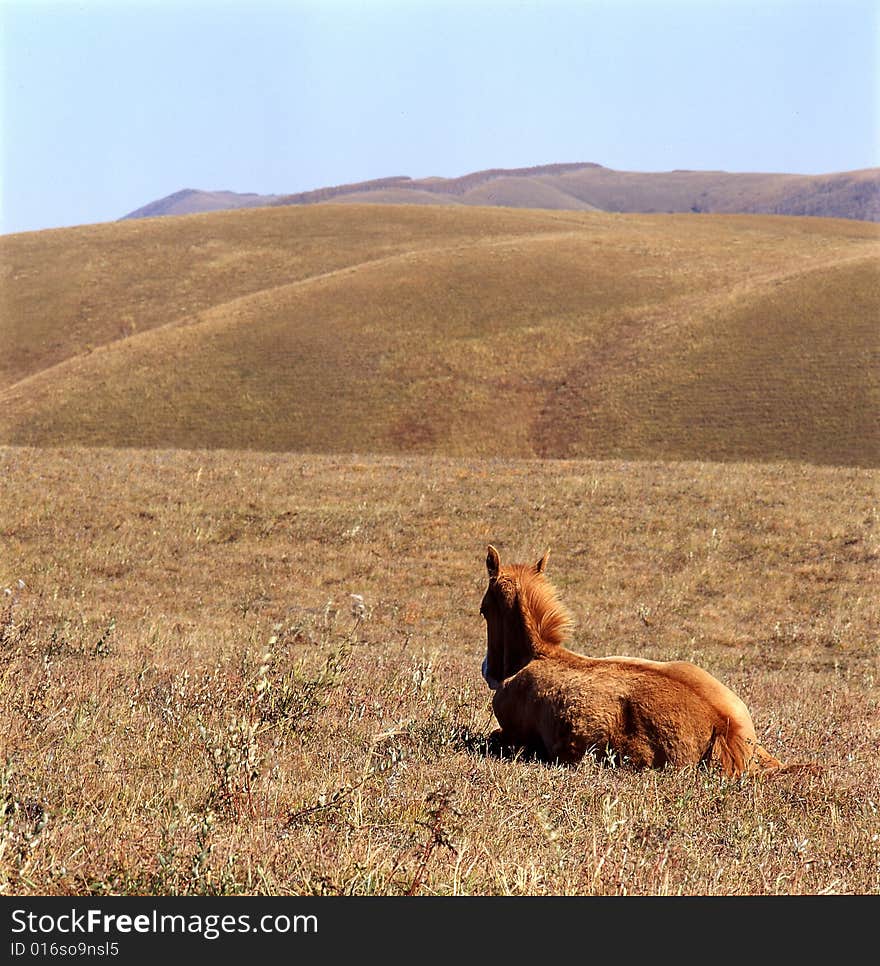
(462,332)
(68,292)
(193,702)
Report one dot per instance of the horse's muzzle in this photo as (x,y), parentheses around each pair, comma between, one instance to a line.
(493,684)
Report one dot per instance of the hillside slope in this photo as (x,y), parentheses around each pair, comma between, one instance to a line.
(459,331)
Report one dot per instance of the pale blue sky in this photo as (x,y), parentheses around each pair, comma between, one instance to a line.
(109,105)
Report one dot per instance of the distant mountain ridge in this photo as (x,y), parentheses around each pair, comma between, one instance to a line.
(578,186)
(191,201)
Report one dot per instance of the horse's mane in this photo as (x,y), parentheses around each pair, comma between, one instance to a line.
(544,613)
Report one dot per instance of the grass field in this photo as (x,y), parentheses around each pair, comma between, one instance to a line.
(250,462)
(233,672)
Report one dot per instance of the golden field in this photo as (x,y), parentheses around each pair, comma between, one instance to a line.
(195,702)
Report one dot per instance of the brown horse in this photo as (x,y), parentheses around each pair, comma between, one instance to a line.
(562,705)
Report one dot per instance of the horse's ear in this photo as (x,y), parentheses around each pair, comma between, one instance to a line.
(493,561)
(541,565)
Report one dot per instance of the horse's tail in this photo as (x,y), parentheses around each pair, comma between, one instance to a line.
(792,768)
(737,755)
(731,753)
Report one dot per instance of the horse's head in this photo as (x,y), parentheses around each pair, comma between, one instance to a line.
(510,645)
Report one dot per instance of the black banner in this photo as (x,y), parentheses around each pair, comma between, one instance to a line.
(389,930)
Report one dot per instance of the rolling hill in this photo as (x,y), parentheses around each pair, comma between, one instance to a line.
(450,330)
(582,187)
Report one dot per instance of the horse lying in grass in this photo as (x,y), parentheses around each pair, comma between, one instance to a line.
(561,705)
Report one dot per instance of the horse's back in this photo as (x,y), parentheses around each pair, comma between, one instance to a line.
(649,712)
(689,684)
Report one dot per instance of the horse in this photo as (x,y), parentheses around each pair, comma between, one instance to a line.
(562,706)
